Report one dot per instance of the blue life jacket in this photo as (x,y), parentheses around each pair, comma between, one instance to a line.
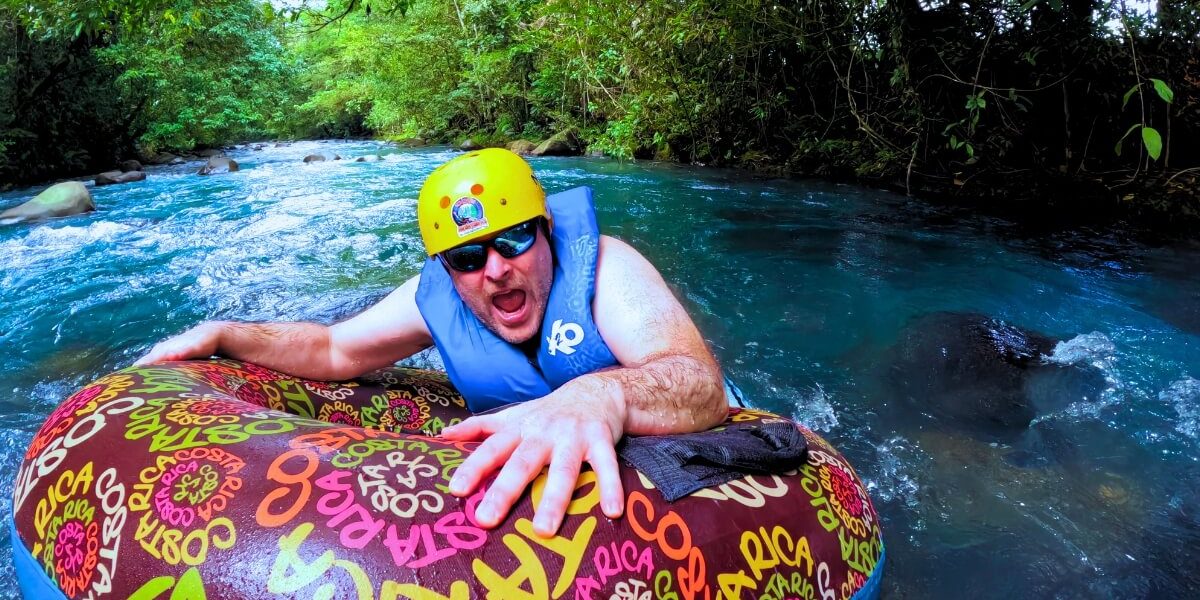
(488,371)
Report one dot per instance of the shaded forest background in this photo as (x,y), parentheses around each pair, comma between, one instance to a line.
(1088,104)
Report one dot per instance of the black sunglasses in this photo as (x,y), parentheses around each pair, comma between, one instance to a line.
(510,243)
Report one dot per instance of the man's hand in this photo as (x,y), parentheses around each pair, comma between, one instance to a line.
(200,341)
(561,430)
(375,338)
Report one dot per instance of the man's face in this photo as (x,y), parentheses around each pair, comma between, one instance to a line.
(509,295)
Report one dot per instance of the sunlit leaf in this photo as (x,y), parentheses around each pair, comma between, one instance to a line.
(1128,95)
(1163,90)
(1153,142)
(1121,141)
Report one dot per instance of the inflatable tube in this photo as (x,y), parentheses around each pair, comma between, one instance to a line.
(220,479)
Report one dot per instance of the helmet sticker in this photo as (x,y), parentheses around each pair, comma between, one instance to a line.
(467,213)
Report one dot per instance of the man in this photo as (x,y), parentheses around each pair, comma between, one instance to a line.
(530,308)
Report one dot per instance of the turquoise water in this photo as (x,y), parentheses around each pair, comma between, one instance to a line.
(816,297)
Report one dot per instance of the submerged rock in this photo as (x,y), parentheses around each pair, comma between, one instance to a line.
(522,147)
(469,144)
(218,164)
(59,200)
(968,370)
(115,177)
(312,158)
(982,492)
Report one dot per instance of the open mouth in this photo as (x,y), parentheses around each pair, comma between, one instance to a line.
(510,306)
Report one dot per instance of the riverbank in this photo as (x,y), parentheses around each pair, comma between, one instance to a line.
(1082,110)
(1168,205)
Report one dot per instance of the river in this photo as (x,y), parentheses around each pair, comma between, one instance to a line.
(1022,402)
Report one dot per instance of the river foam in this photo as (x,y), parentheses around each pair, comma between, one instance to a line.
(1184,396)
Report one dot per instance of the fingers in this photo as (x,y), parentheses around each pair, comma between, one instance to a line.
(522,467)
(603,457)
(471,429)
(198,342)
(156,354)
(147,358)
(485,459)
(565,462)
(520,448)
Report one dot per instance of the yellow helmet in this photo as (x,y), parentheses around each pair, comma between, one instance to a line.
(475,195)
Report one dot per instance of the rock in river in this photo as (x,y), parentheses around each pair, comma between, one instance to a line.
(163,158)
(563,143)
(59,200)
(522,147)
(218,164)
(978,374)
(114,177)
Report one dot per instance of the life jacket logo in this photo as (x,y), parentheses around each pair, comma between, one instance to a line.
(564,337)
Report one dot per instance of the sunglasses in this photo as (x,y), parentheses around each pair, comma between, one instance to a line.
(510,243)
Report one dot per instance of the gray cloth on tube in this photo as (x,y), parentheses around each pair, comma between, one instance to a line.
(681,464)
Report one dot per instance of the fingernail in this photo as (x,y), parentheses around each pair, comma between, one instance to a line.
(611,507)
(543,526)
(485,514)
(456,485)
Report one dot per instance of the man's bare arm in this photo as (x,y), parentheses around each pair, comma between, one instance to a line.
(669,382)
(387,332)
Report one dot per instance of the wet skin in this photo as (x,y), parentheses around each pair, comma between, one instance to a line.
(667,380)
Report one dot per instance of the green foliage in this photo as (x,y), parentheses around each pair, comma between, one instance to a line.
(438,66)
(70,19)
(205,77)
(1151,139)
(85,83)
(920,91)
(56,112)
(1153,142)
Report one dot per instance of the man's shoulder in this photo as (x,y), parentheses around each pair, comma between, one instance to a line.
(611,247)
(621,266)
(614,256)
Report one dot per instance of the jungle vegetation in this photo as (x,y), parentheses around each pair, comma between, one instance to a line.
(997,100)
